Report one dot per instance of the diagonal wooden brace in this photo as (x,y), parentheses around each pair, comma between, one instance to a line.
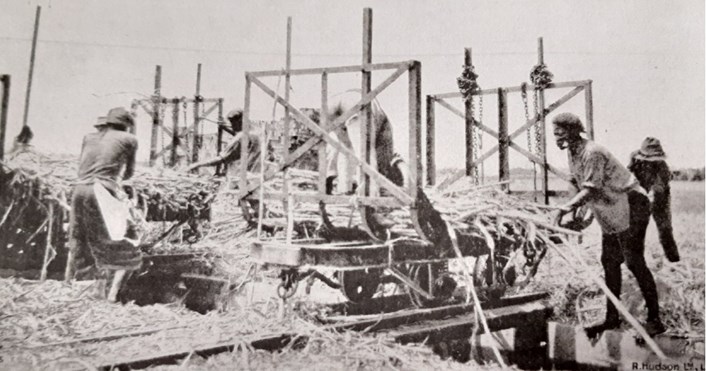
(323,135)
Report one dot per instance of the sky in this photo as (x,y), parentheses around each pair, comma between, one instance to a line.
(645,58)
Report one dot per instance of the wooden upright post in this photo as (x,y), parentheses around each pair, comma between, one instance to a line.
(543,127)
(196,143)
(219,136)
(367,134)
(287,134)
(31,64)
(244,142)
(323,122)
(431,160)
(588,92)
(503,140)
(468,62)
(175,132)
(156,102)
(415,128)
(5,80)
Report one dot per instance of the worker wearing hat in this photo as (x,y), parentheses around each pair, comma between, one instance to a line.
(650,168)
(622,209)
(107,158)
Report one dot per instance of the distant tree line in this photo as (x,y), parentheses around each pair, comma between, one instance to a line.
(691,175)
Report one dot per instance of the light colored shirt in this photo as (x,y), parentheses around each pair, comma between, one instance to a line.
(592,166)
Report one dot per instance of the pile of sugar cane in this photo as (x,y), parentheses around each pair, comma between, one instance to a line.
(159,189)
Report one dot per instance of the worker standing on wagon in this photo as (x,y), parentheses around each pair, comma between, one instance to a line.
(650,168)
(622,210)
(107,158)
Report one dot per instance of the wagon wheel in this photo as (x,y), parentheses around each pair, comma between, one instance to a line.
(443,284)
(359,285)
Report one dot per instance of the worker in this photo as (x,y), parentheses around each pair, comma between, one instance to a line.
(232,152)
(650,168)
(622,210)
(389,164)
(107,158)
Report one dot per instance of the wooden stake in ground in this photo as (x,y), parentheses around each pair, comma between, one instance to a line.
(31,64)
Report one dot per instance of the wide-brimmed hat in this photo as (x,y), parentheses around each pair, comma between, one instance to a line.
(651,150)
(119,116)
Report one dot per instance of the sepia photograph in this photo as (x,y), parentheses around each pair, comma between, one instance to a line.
(352,185)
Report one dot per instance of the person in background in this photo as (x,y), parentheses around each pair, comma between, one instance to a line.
(107,158)
(649,166)
(621,208)
(231,154)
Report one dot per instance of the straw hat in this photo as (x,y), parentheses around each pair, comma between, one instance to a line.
(650,150)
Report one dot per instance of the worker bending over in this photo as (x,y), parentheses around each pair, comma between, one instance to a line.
(107,158)
(623,211)
(650,168)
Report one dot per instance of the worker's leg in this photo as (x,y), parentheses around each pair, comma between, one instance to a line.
(634,252)
(662,213)
(611,259)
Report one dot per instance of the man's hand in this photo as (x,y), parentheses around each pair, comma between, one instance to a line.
(560,212)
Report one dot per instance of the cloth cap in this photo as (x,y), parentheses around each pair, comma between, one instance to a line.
(651,150)
(568,120)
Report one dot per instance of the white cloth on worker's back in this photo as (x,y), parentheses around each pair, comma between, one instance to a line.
(593,166)
(115,212)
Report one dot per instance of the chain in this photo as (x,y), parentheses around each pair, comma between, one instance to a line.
(468,83)
(527,116)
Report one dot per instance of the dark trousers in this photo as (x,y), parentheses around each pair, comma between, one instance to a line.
(662,214)
(629,247)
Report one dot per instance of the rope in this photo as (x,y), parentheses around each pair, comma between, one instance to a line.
(468,85)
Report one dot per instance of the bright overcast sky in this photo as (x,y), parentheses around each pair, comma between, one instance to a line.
(646,59)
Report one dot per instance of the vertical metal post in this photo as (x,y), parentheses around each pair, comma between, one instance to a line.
(503,145)
(175,132)
(468,62)
(431,122)
(287,134)
(5,80)
(245,141)
(543,127)
(196,142)
(588,92)
(367,133)
(156,103)
(415,127)
(219,136)
(31,64)
(323,122)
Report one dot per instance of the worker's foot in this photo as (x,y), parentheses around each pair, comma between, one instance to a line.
(596,330)
(654,327)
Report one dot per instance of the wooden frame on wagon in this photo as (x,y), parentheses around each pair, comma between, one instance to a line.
(504,138)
